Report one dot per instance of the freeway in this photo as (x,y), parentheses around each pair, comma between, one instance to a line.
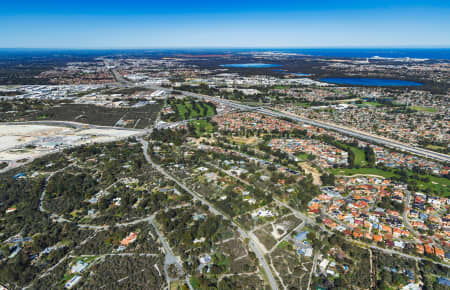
(344,130)
(361,135)
(341,129)
(117,76)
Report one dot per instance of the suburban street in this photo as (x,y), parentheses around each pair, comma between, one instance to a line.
(196,196)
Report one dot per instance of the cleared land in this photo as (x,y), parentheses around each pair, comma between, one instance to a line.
(20,142)
(132,117)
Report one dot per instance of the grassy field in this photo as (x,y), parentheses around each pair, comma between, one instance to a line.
(194,282)
(182,110)
(283,245)
(279,87)
(440,184)
(194,110)
(188,109)
(210,110)
(202,126)
(369,171)
(304,105)
(302,156)
(424,109)
(376,104)
(435,147)
(360,156)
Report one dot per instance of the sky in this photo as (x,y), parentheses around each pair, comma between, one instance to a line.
(224,24)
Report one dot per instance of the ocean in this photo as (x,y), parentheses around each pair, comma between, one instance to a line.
(430,53)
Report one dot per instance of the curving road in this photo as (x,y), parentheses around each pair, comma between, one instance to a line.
(196,196)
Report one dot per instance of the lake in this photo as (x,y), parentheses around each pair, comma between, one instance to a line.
(371,82)
(250,65)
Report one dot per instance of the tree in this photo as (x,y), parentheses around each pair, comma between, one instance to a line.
(328,179)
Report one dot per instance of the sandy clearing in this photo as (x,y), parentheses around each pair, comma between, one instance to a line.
(244,140)
(275,228)
(8,142)
(31,130)
(314,172)
(107,132)
(48,139)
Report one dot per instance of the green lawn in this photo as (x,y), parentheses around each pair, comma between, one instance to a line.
(202,126)
(210,110)
(424,109)
(191,110)
(182,111)
(376,104)
(200,109)
(435,147)
(194,282)
(279,87)
(360,156)
(89,259)
(440,184)
(283,245)
(66,278)
(372,171)
(193,113)
(304,105)
(302,156)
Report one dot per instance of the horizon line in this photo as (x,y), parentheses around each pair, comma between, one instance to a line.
(231,47)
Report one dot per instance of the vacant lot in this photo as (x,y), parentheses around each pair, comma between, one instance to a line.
(141,117)
(31,141)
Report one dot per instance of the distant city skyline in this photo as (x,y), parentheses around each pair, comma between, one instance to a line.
(243,24)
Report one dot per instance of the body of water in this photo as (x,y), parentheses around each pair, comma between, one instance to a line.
(251,65)
(370,82)
(302,74)
(429,53)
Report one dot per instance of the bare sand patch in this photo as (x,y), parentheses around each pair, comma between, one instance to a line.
(245,140)
(32,141)
(314,172)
